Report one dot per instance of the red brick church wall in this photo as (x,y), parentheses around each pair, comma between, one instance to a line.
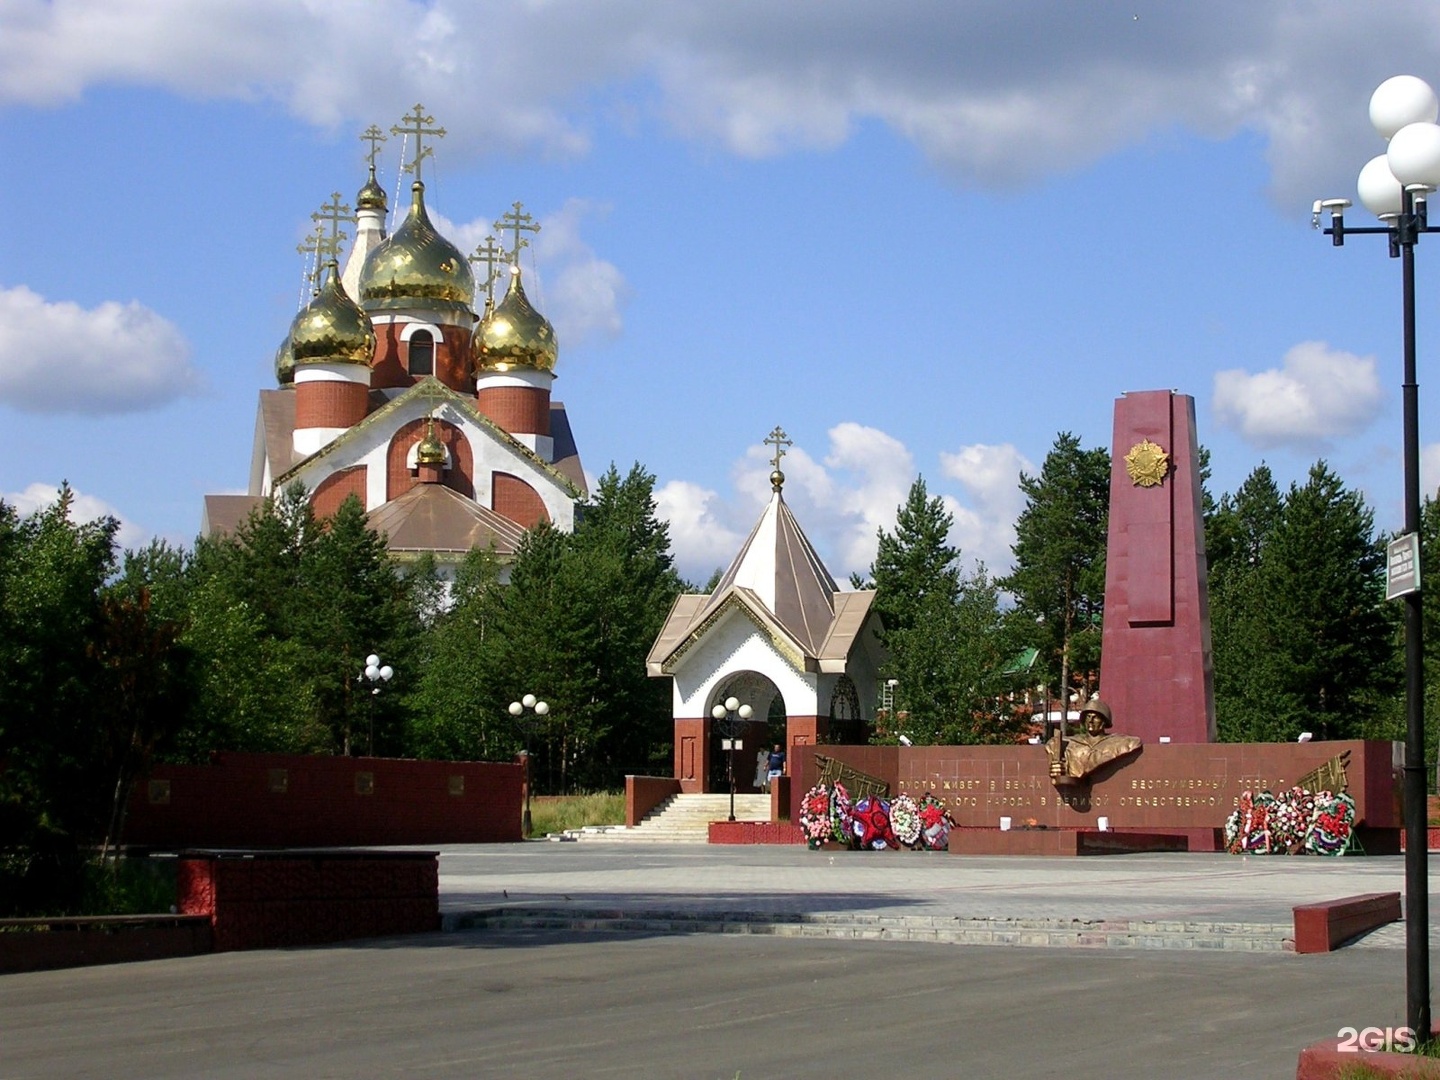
(459,477)
(516,500)
(336,487)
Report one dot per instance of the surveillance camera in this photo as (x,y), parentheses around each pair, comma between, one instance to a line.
(905,741)
(1305,736)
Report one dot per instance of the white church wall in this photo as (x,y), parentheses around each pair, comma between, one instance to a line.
(736,645)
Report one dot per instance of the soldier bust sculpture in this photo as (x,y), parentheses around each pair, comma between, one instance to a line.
(1073,759)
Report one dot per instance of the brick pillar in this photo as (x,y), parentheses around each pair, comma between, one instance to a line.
(803,731)
(692,753)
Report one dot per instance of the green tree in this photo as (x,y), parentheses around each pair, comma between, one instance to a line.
(1302,639)
(1248,667)
(53,791)
(1058,580)
(943,630)
(915,567)
(454,713)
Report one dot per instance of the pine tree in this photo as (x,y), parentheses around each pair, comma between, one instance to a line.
(1058,580)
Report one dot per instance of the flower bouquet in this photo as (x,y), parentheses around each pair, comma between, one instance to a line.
(1333,826)
(905,820)
(815,816)
(935,824)
(840,822)
(870,823)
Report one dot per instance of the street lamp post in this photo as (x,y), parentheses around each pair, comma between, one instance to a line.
(1394,187)
(729,717)
(376,674)
(527,725)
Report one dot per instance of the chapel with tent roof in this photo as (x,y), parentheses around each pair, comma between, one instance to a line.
(776,633)
(394,388)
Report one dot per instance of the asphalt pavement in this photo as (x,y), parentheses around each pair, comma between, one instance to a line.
(716,1006)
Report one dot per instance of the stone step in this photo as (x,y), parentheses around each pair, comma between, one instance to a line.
(1040,933)
(680,819)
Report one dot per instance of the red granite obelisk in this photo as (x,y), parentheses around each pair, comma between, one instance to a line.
(1156,671)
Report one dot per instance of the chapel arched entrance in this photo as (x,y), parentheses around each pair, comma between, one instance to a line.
(765,729)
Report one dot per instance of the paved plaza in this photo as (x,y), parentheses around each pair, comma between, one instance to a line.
(560,1003)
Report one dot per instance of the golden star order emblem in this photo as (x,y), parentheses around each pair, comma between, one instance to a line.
(1147,464)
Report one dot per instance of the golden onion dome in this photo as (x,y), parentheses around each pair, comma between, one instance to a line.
(332,329)
(372,195)
(430,451)
(416,267)
(285,363)
(514,334)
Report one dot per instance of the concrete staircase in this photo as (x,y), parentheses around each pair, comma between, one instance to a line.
(680,819)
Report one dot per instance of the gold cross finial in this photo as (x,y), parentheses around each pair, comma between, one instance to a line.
(778,440)
(311,248)
(334,212)
(488,253)
(374,136)
(419,130)
(517,221)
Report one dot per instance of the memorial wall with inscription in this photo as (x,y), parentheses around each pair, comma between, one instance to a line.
(1183,789)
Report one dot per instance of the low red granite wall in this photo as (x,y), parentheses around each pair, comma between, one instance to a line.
(644,793)
(755,832)
(283,800)
(261,900)
(80,941)
(1191,787)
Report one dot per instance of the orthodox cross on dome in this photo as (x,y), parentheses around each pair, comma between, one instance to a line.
(311,247)
(779,440)
(374,136)
(517,221)
(419,130)
(490,254)
(334,212)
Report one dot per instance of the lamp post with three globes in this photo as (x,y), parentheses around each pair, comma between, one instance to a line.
(731,717)
(1394,186)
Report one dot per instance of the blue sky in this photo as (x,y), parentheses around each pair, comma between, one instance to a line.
(921,238)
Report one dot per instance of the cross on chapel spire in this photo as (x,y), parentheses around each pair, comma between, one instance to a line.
(779,440)
(517,221)
(488,253)
(419,130)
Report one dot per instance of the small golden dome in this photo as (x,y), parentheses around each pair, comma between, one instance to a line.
(372,195)
(515,335)
(285,363)
(430,451)
(331,329)
(416,267)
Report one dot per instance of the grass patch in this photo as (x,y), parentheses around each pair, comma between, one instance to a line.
(576,811)
(129,887)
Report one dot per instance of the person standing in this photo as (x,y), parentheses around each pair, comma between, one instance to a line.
(762,768)
(776,763)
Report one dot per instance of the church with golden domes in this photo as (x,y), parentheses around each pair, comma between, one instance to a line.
(394,387)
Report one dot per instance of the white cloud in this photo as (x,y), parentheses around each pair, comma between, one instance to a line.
(1429,470)
(82,508)
(843,499)
(699,540)
(990,476)
(992,91)
(1315,396)
(581,294)
(113,358)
